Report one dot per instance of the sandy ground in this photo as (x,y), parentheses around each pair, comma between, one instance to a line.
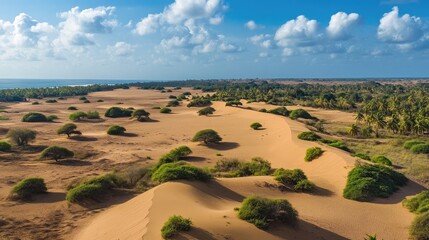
(323,215)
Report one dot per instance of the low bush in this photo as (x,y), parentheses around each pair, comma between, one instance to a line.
(34,117)
(207,136)
(300,113)
(35,103)
(165,110)
(309,136)
(418,203)
(235,103)
(21,136)
(339,144)
(206,111)
(56,153)
(179,170)
(4,146)
(199,102)
(82,98)
(92,115)
(173,156)
(51,101)
(313,153)
(263,211)
(117,112)
(116,130)
(234,168)
(262,110)
(295,179)
(141,115)
(26,188)
(174,225)
(282,111)
(51,118)
(255,126)
(77,116)
(420,148)
(381,160)
(362,156)
(367,181)
(410,143)
(173,103)
(100,100)
(304,186)
(419,229)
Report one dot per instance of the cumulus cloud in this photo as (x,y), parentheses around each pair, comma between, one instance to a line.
(298,32)
(251,25)
(341,24)
(121,49)
(79,27)
(262,40)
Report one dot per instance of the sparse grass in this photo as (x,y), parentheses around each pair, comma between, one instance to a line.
(418,203)
(419,229)
(235,168)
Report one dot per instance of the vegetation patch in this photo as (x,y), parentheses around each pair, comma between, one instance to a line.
(174,155)
(300,113)
(418,203)
(263,211)
(179,170)
(362,156)
(255,126)
(21,136)
(26,188)
(117,112)
(295,179)
(419,229)
(381,160)
(420,148)
(4,146)
(141,115)
(206,111)
(165,110)
(234,168)
(410,143)
(207,136)
(56,153)
(309,136)
(313,153)
(116,130)
(282,111)
(68,129)
(174,225)
(34,117)
(199,102)
(367,181)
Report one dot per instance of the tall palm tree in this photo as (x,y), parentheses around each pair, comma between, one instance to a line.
(354,130)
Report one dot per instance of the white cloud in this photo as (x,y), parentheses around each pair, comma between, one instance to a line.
(251,25)
(298,32)
(262,40)
(399,29)
(148,24)
(79,27)
(341,24)
(121,49)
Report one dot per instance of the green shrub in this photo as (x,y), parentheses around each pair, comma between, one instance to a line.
(300,113)
(410,143)
(35,103)
(172,97)
(100,100)
(68,129)
(420,148)
(34,117)
(174,225)
(340,145)
(165,110)
(116,130)
(255,126)
(262,211)
(51,101)
(418,203)
(4,146)
(304,186)
(93,115)
(82,98)
(21,136)
(227,165)
(4,118)
(173,156)
(56,153)
(235,103)
(309,136)
(234,168)
(84,192)
(282,111)
(51,118)
(313,153)
(206,111)
(179,170)
(419,229)
(141,115)
(367,181)
(86,101)
(173,103)
(207,136)
(156,108)
(381,160)
(362,156)
(262,110)
(294,179)
(77,116)
(28,187)
(117,112)
(199,102)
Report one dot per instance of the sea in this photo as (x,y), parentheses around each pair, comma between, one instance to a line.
(42,83)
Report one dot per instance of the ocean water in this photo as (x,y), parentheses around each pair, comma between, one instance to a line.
(40,83)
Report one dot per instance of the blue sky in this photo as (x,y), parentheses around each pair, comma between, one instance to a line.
(206,39)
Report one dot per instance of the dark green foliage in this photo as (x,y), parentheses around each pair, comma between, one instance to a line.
(68,129)
(309,136)
(165,110)
(368,181)
(410,143)
(235,103)
(172,97)
(255,126)
(262,110)
(381,160)
(72,108)
(173,103)
(51,118)
(77,116)
(300,113)
(419,229)
(4,146)
(141,115)
(116,130)
(35,103)
(21,136)
(100,100)
(86,101)
(339,144)
(263,211)
(304,186)
(234,168)
(420,148)
(34,117)
(56,153)
(419,203)
(156,108)
(174,225)
(92,115)
(282,111)
(362,156)
(294,179)
(199,102)
(117,112)
(206,111)
(313,153)
(179,170)
(26,188)
(207,136)
(173,156)
(82,98)
(51,101)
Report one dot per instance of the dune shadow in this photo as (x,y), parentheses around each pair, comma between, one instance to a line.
(116,197)
(129,135)
(412,188)
(318,191)
(195,159)
(303,230)
(216,190)
(82,138)
(223,146)
(49,197)
(72,162)
(195,233)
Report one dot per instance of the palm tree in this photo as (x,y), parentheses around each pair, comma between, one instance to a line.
(359,117)
(354,130)
(380,123)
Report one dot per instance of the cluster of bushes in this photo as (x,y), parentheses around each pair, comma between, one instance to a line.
(417,146)
(294,179)
(419,204)
(199,102)
(117,112)
(116,130)
(313,153)
(235,103)
(174,225)
(4,146)
(362,156)
(51,101)
(56,153)
(78,116)
(282,111)
(311,136)
(93,188)
(173,103)
(179,170)
(174,155)
(37,117)
(300,113)
(206,111)
(26,188)
(367,181)
(263,211)
(234,168)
